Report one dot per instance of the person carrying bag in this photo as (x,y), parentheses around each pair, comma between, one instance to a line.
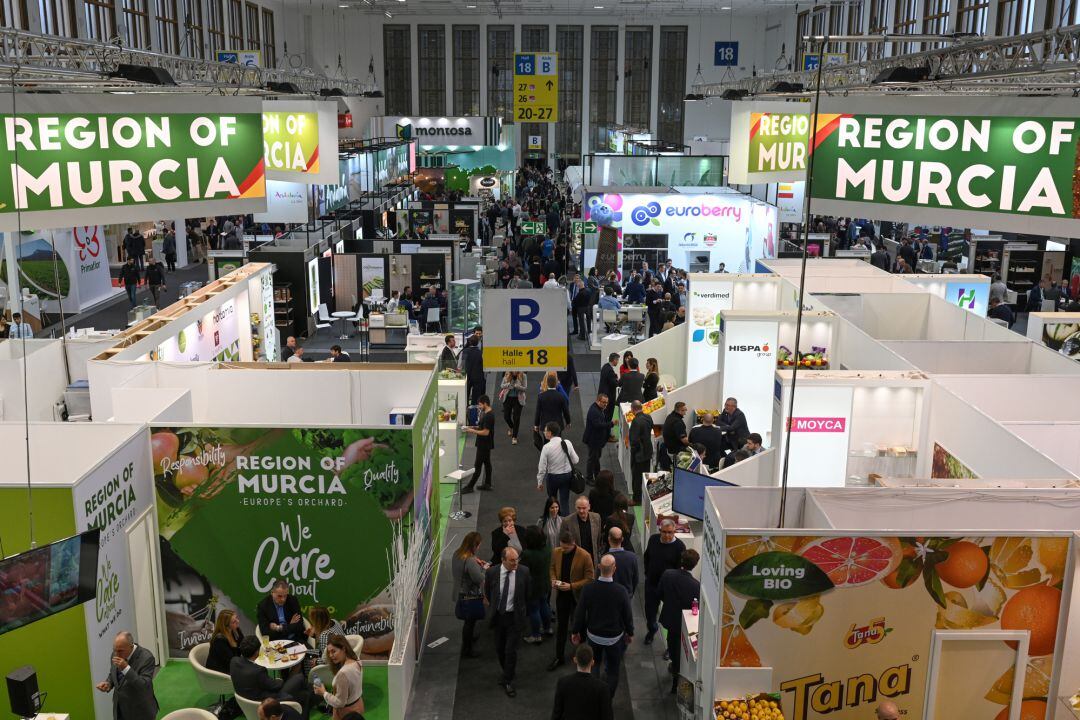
(556,468)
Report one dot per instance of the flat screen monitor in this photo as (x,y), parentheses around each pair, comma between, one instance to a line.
(688,492)
(48,579)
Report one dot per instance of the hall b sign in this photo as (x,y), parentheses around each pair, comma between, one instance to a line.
(524,330)
(536,87)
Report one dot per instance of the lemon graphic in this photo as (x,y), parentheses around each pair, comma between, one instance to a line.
(181,341)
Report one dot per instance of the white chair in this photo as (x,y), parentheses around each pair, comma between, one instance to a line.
(610,318)
(324,673)
(190,714)
(432,316)
(324,317)
(250,708)
(210,681)
(357,643)
(1049,306)
(635,316)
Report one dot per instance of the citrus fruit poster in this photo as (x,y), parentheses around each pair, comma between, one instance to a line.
(848,621)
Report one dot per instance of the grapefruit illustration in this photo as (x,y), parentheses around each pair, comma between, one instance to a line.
(1034,609)
(966,565)
(1029,710)
(735,647)
(852,561)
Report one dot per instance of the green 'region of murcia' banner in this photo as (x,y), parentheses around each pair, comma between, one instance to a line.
(69,160)
(971,168)
(241,507)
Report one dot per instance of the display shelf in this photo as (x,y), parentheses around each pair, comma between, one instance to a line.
(465,304)
(283,305)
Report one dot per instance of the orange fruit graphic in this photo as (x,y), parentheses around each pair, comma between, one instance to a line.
(966,565)
(1029,710)
(1034,609)
(735,647)
(851,561)
(892,580)
(1036,682)
(1051,553)
(744,547)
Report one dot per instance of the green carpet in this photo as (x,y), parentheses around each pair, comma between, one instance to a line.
(176,688)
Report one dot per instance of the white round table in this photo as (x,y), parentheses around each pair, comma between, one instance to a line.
(342,315)
(282,662)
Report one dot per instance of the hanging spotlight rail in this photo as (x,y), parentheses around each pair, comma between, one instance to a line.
(34,59)
(1045,61)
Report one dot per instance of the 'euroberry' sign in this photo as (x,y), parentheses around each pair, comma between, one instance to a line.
(75,160)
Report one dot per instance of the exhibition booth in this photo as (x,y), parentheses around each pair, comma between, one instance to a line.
(42,369)
(960,591)
(970,292)
(916,317)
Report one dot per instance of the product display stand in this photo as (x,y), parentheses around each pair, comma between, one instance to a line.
(459,475)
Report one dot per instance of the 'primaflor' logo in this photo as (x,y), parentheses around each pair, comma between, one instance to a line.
(86,240)
(966,297)
(870,634)
(817,424)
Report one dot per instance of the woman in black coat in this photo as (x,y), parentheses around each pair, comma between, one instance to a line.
(225,643)
(508,534)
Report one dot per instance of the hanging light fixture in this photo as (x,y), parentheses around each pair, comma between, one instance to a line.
(699,81)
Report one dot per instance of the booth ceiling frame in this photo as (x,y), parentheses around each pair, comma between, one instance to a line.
(1044,62)
(33,60)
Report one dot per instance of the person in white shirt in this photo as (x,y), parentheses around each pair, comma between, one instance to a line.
(552,284)
(18,328)
(556,466)
(297,356)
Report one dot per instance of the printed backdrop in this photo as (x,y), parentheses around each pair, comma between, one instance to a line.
(846,621)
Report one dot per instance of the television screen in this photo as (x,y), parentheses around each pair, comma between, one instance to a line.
(688,492)
(48,579)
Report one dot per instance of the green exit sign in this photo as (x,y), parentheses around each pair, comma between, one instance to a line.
(529,227)
(580,227)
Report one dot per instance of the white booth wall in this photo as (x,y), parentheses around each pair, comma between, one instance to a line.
(983,358)
(44,372)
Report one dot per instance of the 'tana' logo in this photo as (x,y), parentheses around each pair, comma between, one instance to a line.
(870,634)
(403,132)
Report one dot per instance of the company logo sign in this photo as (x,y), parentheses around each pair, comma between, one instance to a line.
(870,634)
(966,297)
(817,424)
(406,131)
(709,240)
(487,182)
(108,592)
(645,214)
(86,239)
(403,132)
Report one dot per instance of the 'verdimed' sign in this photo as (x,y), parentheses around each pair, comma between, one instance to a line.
(80,160)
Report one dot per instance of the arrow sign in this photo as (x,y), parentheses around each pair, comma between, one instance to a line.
(549,85)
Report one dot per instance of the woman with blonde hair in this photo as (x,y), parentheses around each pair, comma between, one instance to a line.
(468,572)
(321,627)
(652,380)
(347,694)
(224,642)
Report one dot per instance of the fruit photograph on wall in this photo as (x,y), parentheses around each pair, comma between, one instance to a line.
(847,621)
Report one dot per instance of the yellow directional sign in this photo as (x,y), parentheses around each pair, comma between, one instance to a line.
(536,87)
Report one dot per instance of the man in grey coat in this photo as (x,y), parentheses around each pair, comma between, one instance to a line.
(131,680)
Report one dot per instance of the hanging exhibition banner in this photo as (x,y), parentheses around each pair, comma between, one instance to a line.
(749,367)
(536,87)
(111,498)
(820,431)
(294,132)
(956,162)
(768,142)
(68,264)
(524,329)
(790,197)
(286,202)
(707,296)
(700,231)
(433,132)
(241,507)
(215,337)
(872,603)
(96,160)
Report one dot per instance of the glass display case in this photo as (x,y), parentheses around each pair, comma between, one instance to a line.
(465,298)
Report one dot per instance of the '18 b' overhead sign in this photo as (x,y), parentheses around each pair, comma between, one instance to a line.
(524,330)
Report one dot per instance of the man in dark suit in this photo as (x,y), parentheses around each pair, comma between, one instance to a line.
(472,366)
(733,422)
(626,563)
(272,709)
(713,440)
(880,258)
(641,448)
(447,359)
(604,618)
(609,380)
(630,384)
(253,682)
(678,590)
(581,696)
(598,425)
(278,615)
(131,680)
(662,553)
(551,406)
(506,587)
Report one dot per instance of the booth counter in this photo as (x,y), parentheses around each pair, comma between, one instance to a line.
(846,615)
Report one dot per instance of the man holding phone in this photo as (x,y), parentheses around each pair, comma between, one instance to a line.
(571,569)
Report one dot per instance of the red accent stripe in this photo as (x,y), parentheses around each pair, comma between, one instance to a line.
(785,195)
(755,127)
(253,177)
(314,158)
(828,130)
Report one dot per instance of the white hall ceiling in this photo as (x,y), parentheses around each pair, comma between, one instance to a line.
(565,11)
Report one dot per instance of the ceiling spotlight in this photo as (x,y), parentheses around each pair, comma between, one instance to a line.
(331,92)
(726,7)
(143,74)
(901,75)
(787,87)
(343,6)
(387,14)
(282,88)
(735,94)
(597,7)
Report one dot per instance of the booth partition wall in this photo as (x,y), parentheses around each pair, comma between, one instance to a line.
(655,170)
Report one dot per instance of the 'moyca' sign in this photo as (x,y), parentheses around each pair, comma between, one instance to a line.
(69,159)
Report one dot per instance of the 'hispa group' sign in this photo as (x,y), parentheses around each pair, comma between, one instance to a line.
(77,160)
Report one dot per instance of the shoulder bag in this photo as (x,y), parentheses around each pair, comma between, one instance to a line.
(577,480)
(469,607)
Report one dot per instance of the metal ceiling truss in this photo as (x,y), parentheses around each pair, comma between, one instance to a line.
(1045,62)
(35,61)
